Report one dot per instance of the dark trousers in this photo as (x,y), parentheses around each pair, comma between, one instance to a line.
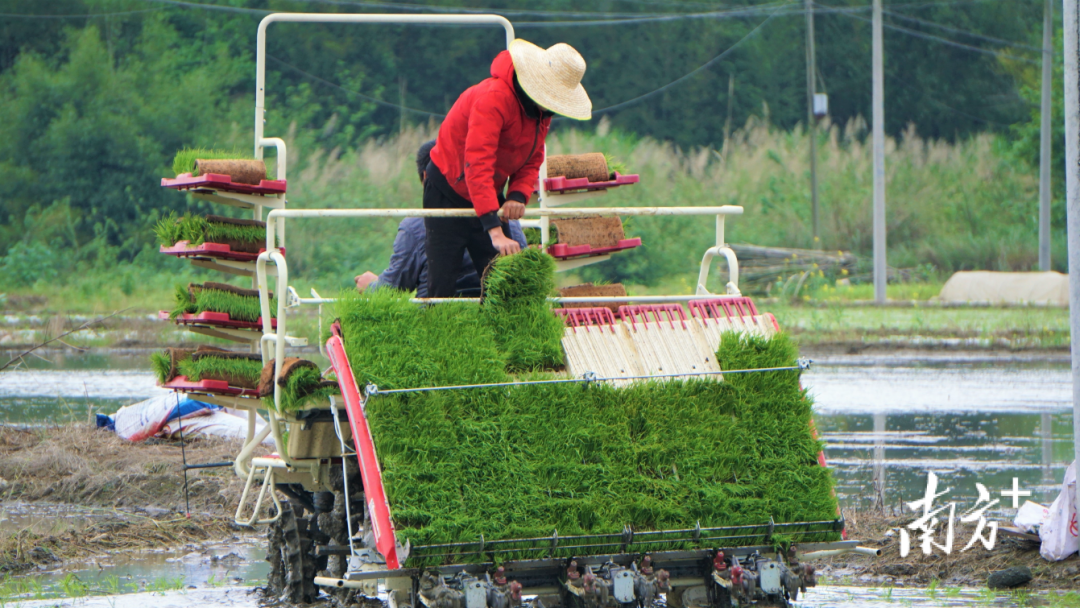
(447,240)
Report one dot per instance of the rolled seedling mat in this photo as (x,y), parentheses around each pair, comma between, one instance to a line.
(573,166)
(288,366)
(251,172)
(596,232)
(236,380)
(584,290)
(245,246)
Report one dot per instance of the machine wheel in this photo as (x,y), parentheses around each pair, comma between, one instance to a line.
(291,556)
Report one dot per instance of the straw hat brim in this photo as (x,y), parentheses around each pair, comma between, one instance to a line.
(540,82)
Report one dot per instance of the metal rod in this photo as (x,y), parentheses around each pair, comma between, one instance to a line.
(1072,188)
(881,268)
(374,391)
(556,299)
(211,465)
(811,120)
(1045,133)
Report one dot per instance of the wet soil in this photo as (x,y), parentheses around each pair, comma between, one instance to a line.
(958,569)
(136,489)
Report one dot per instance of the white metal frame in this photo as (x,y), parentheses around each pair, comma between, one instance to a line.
(273,341)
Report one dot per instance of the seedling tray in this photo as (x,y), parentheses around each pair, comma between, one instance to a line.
(216,181)
(562,252)
(218,251)
(214,319)
(217,387)
(556,185)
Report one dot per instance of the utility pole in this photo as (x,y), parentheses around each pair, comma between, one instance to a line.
(811,120)
(1072,200)
(1044,140)
(881,268)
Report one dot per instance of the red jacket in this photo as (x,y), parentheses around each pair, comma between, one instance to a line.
(487,139)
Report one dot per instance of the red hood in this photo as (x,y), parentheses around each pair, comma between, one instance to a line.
(503,68)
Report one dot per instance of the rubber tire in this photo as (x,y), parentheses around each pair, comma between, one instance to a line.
(292,562)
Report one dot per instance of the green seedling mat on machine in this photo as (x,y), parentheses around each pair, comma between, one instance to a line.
(527,461)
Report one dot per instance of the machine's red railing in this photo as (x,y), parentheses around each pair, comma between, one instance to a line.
(659,313)
(587,317)
(378,507)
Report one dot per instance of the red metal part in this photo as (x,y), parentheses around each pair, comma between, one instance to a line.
(587,317)
(561,184)
(217,387)
(216,181)
(728,306)
(378,508)
(659,313)
(218,251)
(214,319)
(561,251)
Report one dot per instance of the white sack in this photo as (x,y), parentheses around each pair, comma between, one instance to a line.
(1059,531)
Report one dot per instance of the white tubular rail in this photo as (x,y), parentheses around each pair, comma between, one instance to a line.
(260,49)
(272,334)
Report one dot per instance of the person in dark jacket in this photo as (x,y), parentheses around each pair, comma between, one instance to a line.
(493,141)
(408,266)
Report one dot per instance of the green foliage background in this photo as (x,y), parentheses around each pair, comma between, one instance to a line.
(93,107)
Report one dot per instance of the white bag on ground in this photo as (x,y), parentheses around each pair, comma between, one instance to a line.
(1030,516)
(218,423)
(143,420)
(1059,531)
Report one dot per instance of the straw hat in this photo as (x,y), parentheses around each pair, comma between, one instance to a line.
(552,77)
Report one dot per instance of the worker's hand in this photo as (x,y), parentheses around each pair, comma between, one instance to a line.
(505,244)
(365,279)
(513,210)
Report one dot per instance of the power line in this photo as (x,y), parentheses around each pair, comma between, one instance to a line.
(946,41)
(732,14)
(704,66)
(352,92)
(214,7)
(954,30)
(87,16)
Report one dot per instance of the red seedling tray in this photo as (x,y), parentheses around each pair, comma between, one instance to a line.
(218,251)
(218,387)
(214,319)
(217,181)
(562,251)
(562,184)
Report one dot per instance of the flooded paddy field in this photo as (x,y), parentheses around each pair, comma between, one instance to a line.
(886,422)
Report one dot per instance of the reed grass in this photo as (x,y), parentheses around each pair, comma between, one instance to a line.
(238,307)
(198,230)
(197,369)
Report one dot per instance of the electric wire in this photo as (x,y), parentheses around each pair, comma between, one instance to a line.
(954,30)
(948,42)
(84,16)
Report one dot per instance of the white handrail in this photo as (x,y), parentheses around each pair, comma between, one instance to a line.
(260,48)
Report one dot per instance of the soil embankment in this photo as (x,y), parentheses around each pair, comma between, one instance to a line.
(138,489)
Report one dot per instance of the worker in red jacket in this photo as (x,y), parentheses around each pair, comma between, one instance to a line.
(493,141)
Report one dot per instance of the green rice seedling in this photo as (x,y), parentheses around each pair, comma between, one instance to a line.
(197,230)
(239,307)
(220,367)
(516,308)
(302,387)
(161,365)
(184,161)
(615,165)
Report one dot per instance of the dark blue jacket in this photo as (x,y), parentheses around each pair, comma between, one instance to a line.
(408,265)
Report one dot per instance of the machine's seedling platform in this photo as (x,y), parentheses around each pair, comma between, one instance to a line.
(216,387)
(216,181)
(559,185)
(217,251)
(561,251)
(215,319)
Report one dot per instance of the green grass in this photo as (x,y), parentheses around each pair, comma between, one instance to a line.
(184,161)
(516,309)
(197,230)
(239,307)
(198,369)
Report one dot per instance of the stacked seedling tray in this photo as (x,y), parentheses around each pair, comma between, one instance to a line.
(227,245)
(573,178)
